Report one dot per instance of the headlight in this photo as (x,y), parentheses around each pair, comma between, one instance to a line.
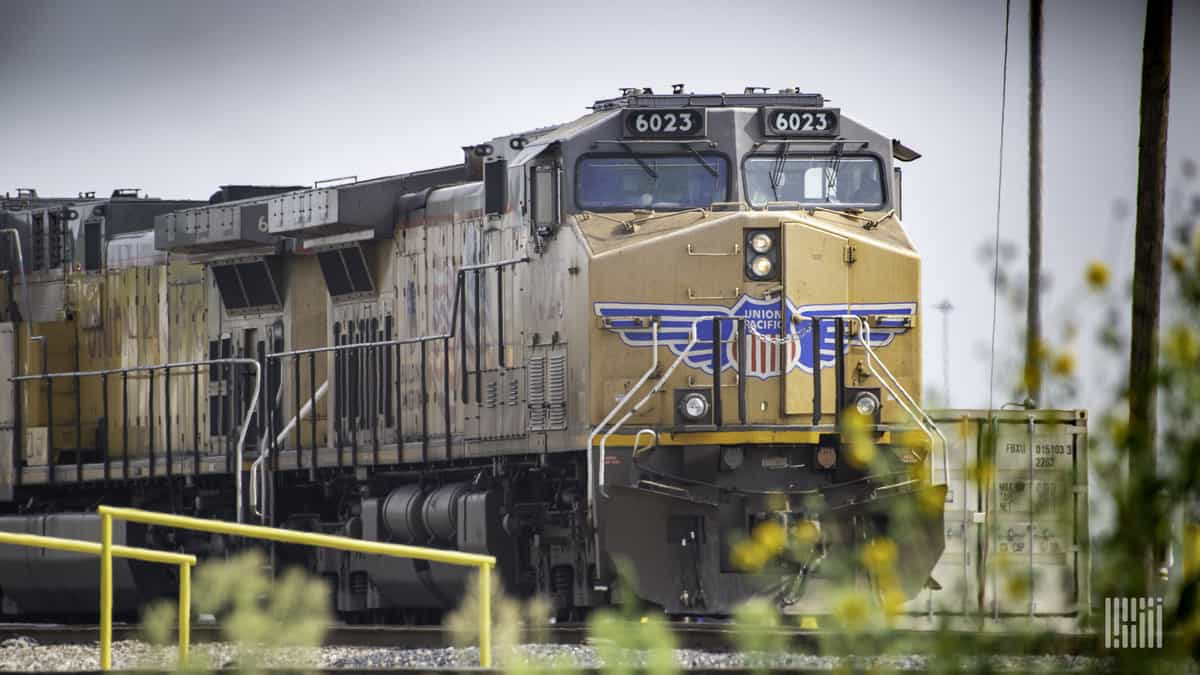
(761,266)
(866,404)
(694,406)
(761,242)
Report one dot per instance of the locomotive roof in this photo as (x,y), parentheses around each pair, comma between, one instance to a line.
(646,99)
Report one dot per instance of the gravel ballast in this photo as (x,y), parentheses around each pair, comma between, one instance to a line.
(25,654)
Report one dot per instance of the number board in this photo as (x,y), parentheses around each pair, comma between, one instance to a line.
(801,121)
(663,123)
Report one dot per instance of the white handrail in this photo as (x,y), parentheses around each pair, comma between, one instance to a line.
(902,397)
(256,471)
(653,390)
(609,416)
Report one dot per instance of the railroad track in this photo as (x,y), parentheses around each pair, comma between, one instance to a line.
(716,637)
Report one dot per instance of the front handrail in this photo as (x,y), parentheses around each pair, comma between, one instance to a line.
(890,383)
(695,336)
(184,561)
(903,398)
(484,563)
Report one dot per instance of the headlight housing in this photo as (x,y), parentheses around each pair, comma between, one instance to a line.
(694,406)
(761,255)
(761,267)
(866,404)
(761,242)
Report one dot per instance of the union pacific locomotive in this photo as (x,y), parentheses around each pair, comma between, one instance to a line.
(636,336)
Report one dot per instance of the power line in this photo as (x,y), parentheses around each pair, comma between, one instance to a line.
(999,197)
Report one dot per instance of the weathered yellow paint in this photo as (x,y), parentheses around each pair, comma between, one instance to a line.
(308,303)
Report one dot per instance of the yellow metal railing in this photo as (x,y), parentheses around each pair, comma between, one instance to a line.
(484,563)
(185,563)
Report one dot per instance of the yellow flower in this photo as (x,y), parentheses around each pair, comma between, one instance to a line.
(860,453)
(931,501)
(748,556)
(1063,365)
(893,600)
(1182,345)
(852,610)
(879,555)
(1016,587)
(770,536)
(1177,261)
(806,533)
(981,473)
(1097,275)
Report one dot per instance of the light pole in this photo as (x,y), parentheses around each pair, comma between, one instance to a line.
(945,308)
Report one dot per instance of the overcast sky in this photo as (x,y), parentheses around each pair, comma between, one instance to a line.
(177,98)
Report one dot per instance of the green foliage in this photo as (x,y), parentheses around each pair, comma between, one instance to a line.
(283,621)
(757,632)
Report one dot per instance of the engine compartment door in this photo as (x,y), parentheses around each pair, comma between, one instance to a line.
(816,278)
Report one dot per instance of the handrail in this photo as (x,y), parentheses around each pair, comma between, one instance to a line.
(891,384)
(252,408)
(484,563)
(903,398)
(184,561)
(456,329)
(256,468)
(695,336)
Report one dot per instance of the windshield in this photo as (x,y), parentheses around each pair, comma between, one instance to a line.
(656,182)
(814,179)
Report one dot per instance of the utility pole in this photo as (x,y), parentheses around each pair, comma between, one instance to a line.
(945,308)
(1033,303)
(1147,269)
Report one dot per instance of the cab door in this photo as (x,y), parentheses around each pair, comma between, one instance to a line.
(817,282)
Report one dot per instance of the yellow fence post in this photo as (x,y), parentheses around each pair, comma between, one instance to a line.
(185,612)
(114,551)
(105,591)
(485,616)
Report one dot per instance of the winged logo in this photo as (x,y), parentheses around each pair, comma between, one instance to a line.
(767,355)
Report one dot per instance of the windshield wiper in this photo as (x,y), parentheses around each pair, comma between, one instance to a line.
(777,170)
(700,158)
(641,162)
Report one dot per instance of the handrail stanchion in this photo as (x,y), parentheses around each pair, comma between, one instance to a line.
(446,389)
(185,612)
(196,421)
(718,363)
(485,615)
(296,403)
(105,591)
(312,385)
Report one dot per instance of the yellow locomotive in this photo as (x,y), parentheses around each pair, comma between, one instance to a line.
(640,335)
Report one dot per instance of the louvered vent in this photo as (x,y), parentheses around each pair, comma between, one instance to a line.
(493,394)
(556,391)
(514,392)
(536,371)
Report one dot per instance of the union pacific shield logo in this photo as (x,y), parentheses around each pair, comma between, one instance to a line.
(768,353)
